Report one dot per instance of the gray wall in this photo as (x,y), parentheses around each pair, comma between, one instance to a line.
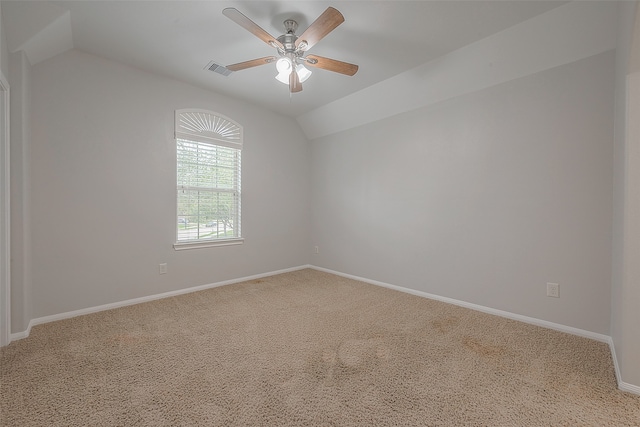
(103,187)
(4,50)
(625,296)
(20,80)
(483,198)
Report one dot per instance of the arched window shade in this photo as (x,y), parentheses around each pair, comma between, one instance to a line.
(206,126)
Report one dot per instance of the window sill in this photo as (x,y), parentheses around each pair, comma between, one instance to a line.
(181,246)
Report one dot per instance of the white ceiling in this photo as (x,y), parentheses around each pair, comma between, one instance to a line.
(178,39)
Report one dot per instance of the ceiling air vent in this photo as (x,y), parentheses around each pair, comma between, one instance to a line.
(217,68)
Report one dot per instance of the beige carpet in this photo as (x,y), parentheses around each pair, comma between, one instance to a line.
(306,349)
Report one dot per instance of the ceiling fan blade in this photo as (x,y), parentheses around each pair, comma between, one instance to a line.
(322,26)
(294,82)
(236,16)
(332,65)
(253,63)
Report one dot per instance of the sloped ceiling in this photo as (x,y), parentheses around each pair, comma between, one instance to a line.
(389,40)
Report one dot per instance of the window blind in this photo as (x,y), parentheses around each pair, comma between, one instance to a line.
(208,152)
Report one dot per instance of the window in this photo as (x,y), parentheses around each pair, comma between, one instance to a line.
(208,152)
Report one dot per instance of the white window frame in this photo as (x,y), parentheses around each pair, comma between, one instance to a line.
(213,129)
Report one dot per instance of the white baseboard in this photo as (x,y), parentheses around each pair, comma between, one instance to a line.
(488,310)
(621,384)
(629,388)
(19,335)
(525,319)
(89,310)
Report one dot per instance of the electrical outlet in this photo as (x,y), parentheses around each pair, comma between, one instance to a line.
(162,268)
(553,290)
(317,250)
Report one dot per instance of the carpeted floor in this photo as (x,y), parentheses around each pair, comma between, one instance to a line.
(306,349)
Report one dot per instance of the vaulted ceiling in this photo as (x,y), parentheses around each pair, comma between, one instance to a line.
(179,38)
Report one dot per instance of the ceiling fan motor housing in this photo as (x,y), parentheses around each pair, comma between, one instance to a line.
(288,40)
(289,43)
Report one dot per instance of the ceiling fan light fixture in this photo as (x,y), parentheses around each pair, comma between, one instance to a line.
(303,73)
(283,65)
(283,78)
(291,47)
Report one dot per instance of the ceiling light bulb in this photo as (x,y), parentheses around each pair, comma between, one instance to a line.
(283,77)
(283,65)
(303,73)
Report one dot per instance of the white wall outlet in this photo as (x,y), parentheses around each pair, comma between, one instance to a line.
(553,290)
(317,250)
(162,268)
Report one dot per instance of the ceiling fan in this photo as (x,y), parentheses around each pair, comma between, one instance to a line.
(291,48)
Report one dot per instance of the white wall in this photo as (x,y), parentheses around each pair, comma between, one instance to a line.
(4,50)
(625,314)
(20,80)
(103,187)
(5,191)
(627,331)
(483,198)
